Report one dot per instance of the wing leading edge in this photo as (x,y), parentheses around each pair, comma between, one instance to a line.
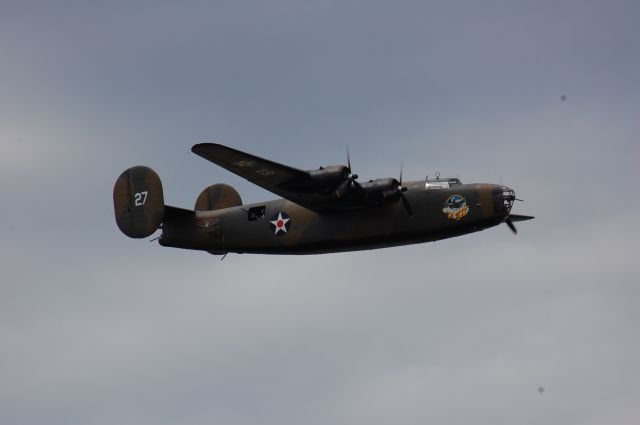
(288,182)
(323,190)
(265,173)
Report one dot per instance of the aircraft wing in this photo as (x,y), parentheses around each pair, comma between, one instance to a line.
(288,182)
(266,174)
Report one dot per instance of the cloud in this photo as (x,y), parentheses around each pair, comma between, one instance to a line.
(97,328)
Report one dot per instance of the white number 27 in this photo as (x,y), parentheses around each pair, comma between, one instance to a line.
(140,198)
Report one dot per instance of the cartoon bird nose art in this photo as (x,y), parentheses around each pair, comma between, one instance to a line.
(455,207)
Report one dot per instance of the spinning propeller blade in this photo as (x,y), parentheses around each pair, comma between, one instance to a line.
(511,225)
(407,205)
(401,190)
(349,183)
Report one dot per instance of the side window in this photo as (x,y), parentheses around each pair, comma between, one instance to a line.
(437,185)
(256,213)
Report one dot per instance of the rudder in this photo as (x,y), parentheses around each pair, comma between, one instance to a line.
(216,197)
(138,202)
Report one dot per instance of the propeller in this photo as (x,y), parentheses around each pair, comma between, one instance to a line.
(401,190)
(515,217)
(511,225)
(350,182)
(352,177)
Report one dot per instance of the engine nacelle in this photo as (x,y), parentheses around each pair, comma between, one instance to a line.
(382,190)
(331,175)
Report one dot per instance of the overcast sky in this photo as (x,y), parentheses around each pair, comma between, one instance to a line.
(488,328)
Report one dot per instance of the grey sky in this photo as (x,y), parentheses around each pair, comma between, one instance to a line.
(99,329)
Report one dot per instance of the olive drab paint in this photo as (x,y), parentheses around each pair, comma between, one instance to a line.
(218,196)
(138,202)
(325,210)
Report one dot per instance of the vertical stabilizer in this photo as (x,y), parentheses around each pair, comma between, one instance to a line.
(138,202)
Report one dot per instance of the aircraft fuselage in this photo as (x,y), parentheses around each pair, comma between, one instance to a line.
(283,227)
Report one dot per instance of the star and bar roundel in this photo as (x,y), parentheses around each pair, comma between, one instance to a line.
(280,223)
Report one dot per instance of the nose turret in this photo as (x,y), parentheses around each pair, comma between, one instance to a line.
(503,198)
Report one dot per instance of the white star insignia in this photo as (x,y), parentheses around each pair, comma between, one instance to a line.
(280,223)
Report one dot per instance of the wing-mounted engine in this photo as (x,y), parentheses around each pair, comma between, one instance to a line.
(321,181)
(324,190)
(330,176)
(218,196)
(138,202)
(387,190)
(382,190)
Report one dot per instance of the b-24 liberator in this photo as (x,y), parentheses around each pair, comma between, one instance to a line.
(320,211)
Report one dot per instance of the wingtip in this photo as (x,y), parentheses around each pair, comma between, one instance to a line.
(203,147)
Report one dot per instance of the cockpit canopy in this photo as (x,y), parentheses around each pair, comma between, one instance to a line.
(439,183)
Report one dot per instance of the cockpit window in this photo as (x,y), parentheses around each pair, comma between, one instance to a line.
(442,183)
(437,185)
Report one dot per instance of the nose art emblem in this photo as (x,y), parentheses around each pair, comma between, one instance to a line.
(455,207)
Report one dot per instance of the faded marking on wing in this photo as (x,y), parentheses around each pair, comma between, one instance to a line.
(263,172)
(283,180)
(274,177)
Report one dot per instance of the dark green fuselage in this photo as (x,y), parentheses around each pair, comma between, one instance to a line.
(437,213)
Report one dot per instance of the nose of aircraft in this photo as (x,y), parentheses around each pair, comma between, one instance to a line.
(503,198)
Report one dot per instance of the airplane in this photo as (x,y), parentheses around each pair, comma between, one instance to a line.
(324,210)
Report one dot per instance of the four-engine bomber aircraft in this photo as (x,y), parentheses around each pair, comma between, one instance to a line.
(323,210)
